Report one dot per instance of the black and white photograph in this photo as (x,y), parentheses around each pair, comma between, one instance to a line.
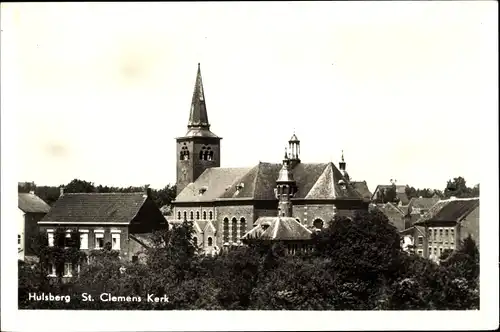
(225,166)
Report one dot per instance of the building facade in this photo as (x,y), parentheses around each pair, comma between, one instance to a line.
(447,223)
(122,221)
(224,203)
(31,209)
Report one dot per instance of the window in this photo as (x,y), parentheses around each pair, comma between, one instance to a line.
(429,233)
(440,251)
(18,241)
(209,241)
(197,215)
(51,270)
(179,215)
(441,235)
(184,154)
(234,229)
(452,235)
(420,252)
(84,240)
(429,252)
(318,223)
(191,215)
(210,215)
(225,230)
(50,236)
(99,240)
(420,240)
(115,241)
(185,215)
(243,226)
(204,215)
(68,267)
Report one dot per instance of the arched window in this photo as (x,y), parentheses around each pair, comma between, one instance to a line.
(202,154)
(191,215)
(185,215)
(243,226)
(197,215)
(195,241)
(225,230)
(318,223)
(184,154)
(204,215)
(211,155)
(234,229)
(209,241)
(178,214)
(210,215)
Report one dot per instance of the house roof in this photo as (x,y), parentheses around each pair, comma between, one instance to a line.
(96,207)
(279,228)
(450,210)
(362,188)
(393,213)
(314,181)
(31,203)
(400,192)
(422,202)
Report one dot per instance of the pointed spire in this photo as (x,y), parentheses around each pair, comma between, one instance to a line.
(198,115)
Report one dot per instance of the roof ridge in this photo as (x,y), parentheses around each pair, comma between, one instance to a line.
(110,193)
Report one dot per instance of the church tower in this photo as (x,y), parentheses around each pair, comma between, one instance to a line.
(285,188)
(199,149)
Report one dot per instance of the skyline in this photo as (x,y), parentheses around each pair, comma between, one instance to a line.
(104,103)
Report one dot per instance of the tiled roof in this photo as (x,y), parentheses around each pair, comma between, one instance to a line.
(96,207)
(422,203)
(395,215)
(31,203)
(213,183)
(314,181)
(400,192)
(362,188)
(450,210)
(279,228)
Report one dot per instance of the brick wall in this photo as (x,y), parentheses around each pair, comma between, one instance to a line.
(230,212)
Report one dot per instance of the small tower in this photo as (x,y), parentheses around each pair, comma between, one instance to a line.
(199,149)
(285,188)
(294,147)
(342,167)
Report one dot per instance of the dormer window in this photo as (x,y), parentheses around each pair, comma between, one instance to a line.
(202,190)
(342,184)
(240,186)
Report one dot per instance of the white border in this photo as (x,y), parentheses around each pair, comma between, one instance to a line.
(485,318)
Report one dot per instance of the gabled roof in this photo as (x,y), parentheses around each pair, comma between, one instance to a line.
(422,203)
(96,207)
(451,210)
(400,192)
(278,228)
(314,181)
(31,203)
(395,215)
(362,188)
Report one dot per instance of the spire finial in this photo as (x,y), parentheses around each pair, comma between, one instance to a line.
(198,65)
(342,155)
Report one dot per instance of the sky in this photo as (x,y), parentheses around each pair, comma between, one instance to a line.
(99,91)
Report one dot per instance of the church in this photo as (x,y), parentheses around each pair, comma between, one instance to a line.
(226,203)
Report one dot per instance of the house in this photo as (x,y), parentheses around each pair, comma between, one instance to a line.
(31,209)
(362,188)
(447,223)
(121,220)
(400,193)
(414,235)
(225,202)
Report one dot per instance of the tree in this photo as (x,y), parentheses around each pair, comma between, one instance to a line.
(458,188)
(80,186)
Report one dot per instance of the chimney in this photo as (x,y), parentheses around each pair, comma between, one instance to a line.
(147,191)
(32,188)
(61,191)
